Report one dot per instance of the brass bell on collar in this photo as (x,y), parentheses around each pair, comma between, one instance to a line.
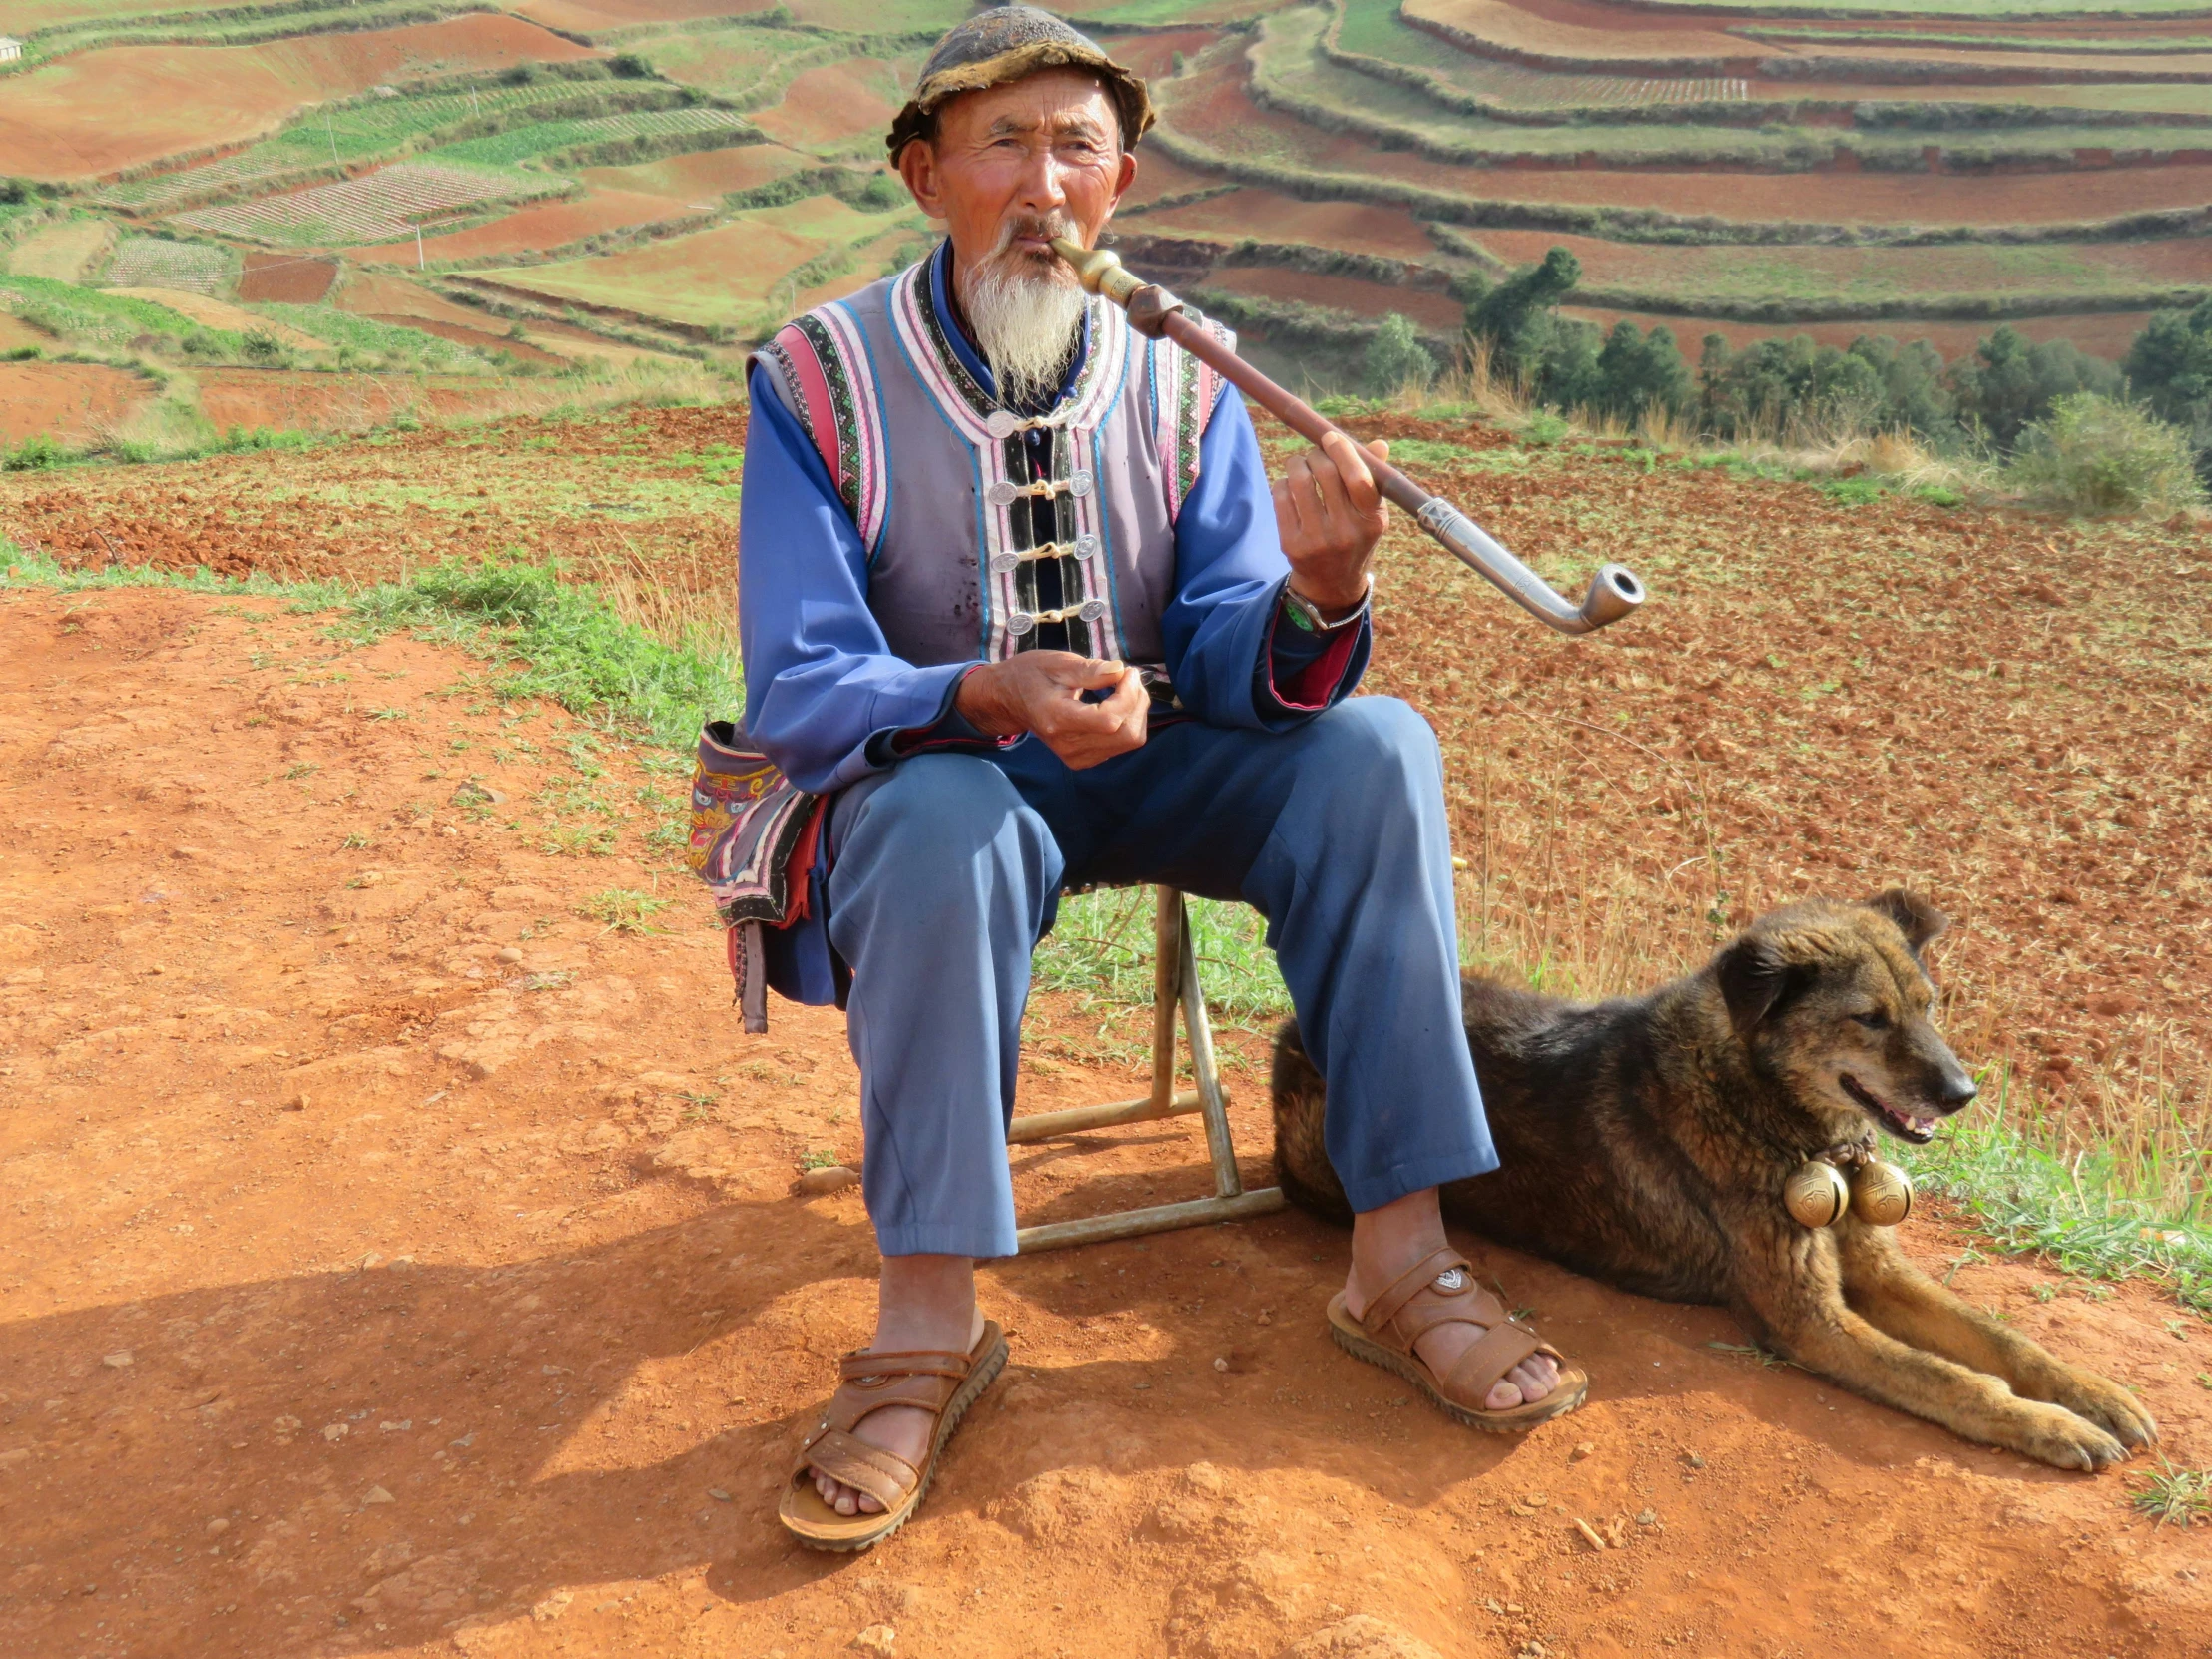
(1815,1194)
(1880,1194)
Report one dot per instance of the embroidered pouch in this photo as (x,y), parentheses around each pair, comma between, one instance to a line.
(753,837)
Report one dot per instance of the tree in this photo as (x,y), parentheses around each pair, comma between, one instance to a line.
(1397,359)
(1518,316)
(1638,371)
(2007,384)
(2170,365)
(1912,385)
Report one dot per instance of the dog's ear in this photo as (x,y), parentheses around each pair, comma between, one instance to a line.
(1919,922)
(1752,976)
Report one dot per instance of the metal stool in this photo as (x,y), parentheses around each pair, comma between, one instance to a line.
(1174,980)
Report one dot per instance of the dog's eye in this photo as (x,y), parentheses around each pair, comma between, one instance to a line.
(1874,1019)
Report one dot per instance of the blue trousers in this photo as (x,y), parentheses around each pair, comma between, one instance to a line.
(948,868)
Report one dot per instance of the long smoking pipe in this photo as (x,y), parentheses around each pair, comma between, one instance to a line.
(1157,313)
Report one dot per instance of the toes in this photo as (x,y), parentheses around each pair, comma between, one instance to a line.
(1503,1397)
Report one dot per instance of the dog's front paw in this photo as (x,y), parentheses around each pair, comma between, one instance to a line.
(2105,1403)
(2054,1435)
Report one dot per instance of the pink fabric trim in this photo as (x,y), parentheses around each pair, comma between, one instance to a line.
(1315,684)
(813,390)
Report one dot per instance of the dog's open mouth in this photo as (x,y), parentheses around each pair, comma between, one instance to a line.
(1916,1126)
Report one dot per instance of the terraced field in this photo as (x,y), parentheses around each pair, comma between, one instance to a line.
(380,207)
(158,263)
(1752,168)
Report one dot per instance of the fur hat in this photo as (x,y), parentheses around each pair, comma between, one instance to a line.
(1005,44)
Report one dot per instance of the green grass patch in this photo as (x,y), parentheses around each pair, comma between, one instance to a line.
(2100,1209)
(1101,951)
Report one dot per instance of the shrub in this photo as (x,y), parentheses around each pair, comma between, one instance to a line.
(2092,454)
(35,454)
(629,66)
(1397,360)
(198,342)
(262,346)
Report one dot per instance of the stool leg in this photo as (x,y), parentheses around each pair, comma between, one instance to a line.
(1212,1108)
(1169,927)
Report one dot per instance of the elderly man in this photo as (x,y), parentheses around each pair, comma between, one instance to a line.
(1017,592)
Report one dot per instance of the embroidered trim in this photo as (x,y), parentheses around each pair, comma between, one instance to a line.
(823,365)
(1185,393)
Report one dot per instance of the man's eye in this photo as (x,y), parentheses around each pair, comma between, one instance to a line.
(1874,1019)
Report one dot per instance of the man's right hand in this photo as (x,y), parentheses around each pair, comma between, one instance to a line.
(1042,692)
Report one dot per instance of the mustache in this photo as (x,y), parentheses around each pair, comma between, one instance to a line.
(1058,223)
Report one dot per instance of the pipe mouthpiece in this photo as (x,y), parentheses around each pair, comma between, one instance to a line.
(1099,270)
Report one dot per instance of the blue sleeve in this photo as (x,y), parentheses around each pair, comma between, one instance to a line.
(1224,653)
(819,681)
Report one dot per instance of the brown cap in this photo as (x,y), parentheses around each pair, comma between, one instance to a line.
(1006,44)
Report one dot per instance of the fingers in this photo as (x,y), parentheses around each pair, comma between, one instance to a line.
(1348,481)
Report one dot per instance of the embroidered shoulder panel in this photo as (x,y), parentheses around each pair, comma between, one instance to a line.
(1185,393)
(822,362)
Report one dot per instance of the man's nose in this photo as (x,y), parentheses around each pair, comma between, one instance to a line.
(1043,186)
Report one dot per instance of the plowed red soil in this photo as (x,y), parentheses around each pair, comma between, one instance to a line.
(400,1262)
(125,106)
(251,397)
(1268,216)
(286,278)
(1350,293)
(1219,113)
(1159,175)
(64,401)
(698,178)
(535,228)
(829,103)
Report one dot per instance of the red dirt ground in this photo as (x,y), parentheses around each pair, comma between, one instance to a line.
(2105,334)
(589,16)
(700,177)
(251,397)
(1268,216)
(1348,293)
(285,278)
(1220,113)
(828,103)
(66,401)
(1955,268)
(480,340)
(125,106)
(1158,174)
(450,1266)
(534,228)
(1576,32)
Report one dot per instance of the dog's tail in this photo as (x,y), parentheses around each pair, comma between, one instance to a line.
(1301,1154)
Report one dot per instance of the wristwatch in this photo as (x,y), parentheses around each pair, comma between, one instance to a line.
(1306,615)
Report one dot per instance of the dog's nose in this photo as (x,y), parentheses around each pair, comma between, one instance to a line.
(1957,1089)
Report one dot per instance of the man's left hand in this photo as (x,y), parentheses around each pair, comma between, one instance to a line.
(1331,515)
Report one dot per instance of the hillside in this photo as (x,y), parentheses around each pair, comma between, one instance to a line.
(444,1251)
(678,175)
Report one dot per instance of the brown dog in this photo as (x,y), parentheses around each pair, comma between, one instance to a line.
(1645,1142)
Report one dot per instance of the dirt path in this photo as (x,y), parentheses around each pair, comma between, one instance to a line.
(395,1260)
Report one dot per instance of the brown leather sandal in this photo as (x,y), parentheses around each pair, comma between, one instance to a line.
(1441,1289)
(947,1383)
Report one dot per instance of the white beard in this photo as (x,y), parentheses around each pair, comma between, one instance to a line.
(1024,315)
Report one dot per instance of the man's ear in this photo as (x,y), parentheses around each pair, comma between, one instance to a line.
(1919,922)
(917,164)
(1752,976)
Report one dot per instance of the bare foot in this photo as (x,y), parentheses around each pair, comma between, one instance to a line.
(1387,1242)
(924,1303)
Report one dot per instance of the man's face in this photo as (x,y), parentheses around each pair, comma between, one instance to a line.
(1012,166)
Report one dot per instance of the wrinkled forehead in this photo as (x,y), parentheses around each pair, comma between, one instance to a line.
(1054,103)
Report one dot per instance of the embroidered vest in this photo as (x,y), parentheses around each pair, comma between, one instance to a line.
(936,476)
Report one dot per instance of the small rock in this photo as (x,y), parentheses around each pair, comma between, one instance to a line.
(877,1639)
(118,1359)
(1581,1452)
(552,1608)
(718,1494)
(217,1527)
(1693,1460)
(297,1102)
(1649,1517)
(399,1428)
(815,1182)
(335,1431)
(376,1495)
(479,794)
(507,953)
(1221,1364)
